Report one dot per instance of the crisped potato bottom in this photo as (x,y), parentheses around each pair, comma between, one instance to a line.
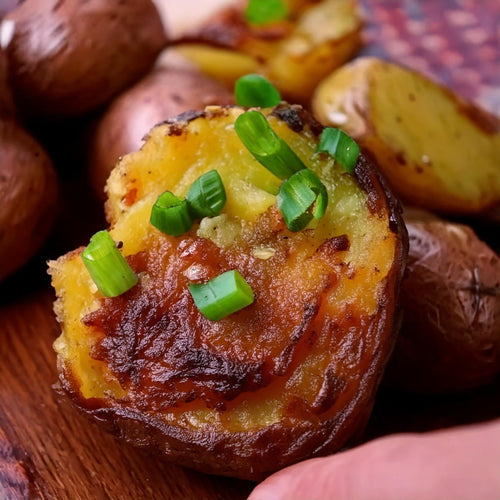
(437,151)
(293,374)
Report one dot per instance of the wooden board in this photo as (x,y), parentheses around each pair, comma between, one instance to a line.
(49,450)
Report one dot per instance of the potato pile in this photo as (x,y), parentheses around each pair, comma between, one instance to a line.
(363,293)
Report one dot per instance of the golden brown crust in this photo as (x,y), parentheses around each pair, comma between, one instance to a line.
(450,335)
(61,56)
(164,93)
(28,196)
(293,375)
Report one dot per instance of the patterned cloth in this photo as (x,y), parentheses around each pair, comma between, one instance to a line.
(456,42)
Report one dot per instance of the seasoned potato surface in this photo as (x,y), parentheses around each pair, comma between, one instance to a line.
(291,376)
(437,151)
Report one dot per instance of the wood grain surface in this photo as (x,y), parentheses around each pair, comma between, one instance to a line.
(49,450)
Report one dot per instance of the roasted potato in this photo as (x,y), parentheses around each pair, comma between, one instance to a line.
(28,197)
(294,54)
(437,151)
(291,376)
(68,58)
(164,93)
(450,334)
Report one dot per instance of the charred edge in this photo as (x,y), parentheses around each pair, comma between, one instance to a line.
(331,389)
(296,117)
(285,358)
(374,184)
(178,124)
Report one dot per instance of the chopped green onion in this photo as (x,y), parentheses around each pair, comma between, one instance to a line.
(255,90)
(266,146)
(302,197)
(265,11)
(222,295)
(339,145)
(171,215)
(107,266)
(206,196)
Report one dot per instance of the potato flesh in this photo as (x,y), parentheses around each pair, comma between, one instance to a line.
(172,162)
(436,151)
(295,56)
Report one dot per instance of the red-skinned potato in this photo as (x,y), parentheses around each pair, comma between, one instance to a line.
(70,57)
(450,334)
(164,93)
(28,197)
(291,376)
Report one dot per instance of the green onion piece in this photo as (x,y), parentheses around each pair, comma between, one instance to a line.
(171,215)
(222,295)
(302,197)
(339,145)
(266,146)
(255,90)
(265,11)
(206,196)
(107,266)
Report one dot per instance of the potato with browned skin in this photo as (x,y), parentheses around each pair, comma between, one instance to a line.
(164,93)
(436,150)
(295,53)
(70,57)
(450,335)
(28,197)
(291,376)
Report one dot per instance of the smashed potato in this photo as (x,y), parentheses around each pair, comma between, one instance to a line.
(295,54)
(437,151)
(291,376)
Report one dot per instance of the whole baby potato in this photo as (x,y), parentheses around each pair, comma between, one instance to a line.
(450,334)
(164,93)
(70,57)
(28,197)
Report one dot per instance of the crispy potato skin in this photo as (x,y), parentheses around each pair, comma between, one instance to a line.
(28,197)
(295,54)
(450,335)
(426,140)
(164,93)
(70,57)
(292,376)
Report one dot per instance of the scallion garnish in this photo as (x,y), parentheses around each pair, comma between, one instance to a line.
(338,144)
(266,11)
(107,267)
(255,91)
(206,196)
(171,215)
(222,295)
(302,197)
(266,146)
